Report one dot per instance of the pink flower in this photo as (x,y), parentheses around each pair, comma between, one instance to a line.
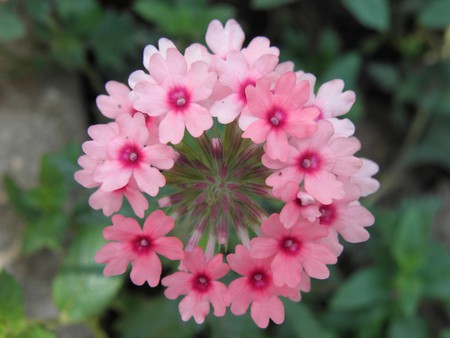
(280,114)
(117,102)
(317,160)
(256,287)
(236,73)
(299,205)
(222,40)
(111,201)
(332,101)
(123,149)
(139,246)
(199,284)
(347,216)
(176,95)
(363,178)
(293,250)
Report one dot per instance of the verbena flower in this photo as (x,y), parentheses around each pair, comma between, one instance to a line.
(216,136)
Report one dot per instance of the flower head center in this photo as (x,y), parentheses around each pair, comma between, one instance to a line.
(309,162)
(290,245)
(201,283)
(327,214)
(178,98)
(259,280)
(129,155)
(142,244)
(133,157)
(276,117)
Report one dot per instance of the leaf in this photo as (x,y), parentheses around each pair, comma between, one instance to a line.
(347,68)
(386,75)
(364,289)
(436,14)
(155,318)
(11,306)
(371,13)
(409,290)
(80,290)
(36,332)
(45,231)
(269,4)
(303,322)
(11,28)
(407,328)
(234,326)
(437,273)
(411,237)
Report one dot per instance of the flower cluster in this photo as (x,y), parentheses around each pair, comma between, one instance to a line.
(227,131)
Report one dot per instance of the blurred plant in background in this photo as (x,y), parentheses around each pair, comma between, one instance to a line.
(393,54)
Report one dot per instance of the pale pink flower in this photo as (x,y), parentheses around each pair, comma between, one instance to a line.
(139,246)
(223,39)
(176,96)
(199,284)
(256,287)
(299,205)
(116,102)
(280,114)
(235,73)
(257,48)
(293,250)
(332,101)
(317,160)
(125,155)
(363,178)
(111,201)
(347,217)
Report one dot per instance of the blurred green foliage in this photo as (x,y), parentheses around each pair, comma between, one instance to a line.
(394,54)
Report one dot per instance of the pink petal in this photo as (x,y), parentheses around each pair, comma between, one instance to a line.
(171,128)
(263,247)
(158,224)
(290,214)
(216,297)
(169,247)
(324,187)
(228,109)
(146,268)
(216,267)
(277,146)
(239,296)
(191,306)
(137,201)
(286,270)
(150,99)
(177,284)
(108,252)
(149,180)
(198,119)
(221,39)
(195,260)
(257,131)
(116,266)
(160,156)
(113,175)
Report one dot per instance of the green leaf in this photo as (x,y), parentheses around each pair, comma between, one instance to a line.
(411,237)
(436,14)
(11,306)
(445,334)
(155,318)
(407,328)
(437,273)
(45,231)
(371,13)
(234,326)
(409,290)
(303,322)
(366,288)
(183,20)
(386,75)
(269,4)
(11,28)
(36,332)
(80,290)
(347,68)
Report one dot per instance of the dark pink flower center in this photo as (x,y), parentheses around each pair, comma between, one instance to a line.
(201,283)
(130,155)
(259,279)
(309,162)
(142,244)
(276,117)
(241,93)
(290,245)
(328,214)
(178,98)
